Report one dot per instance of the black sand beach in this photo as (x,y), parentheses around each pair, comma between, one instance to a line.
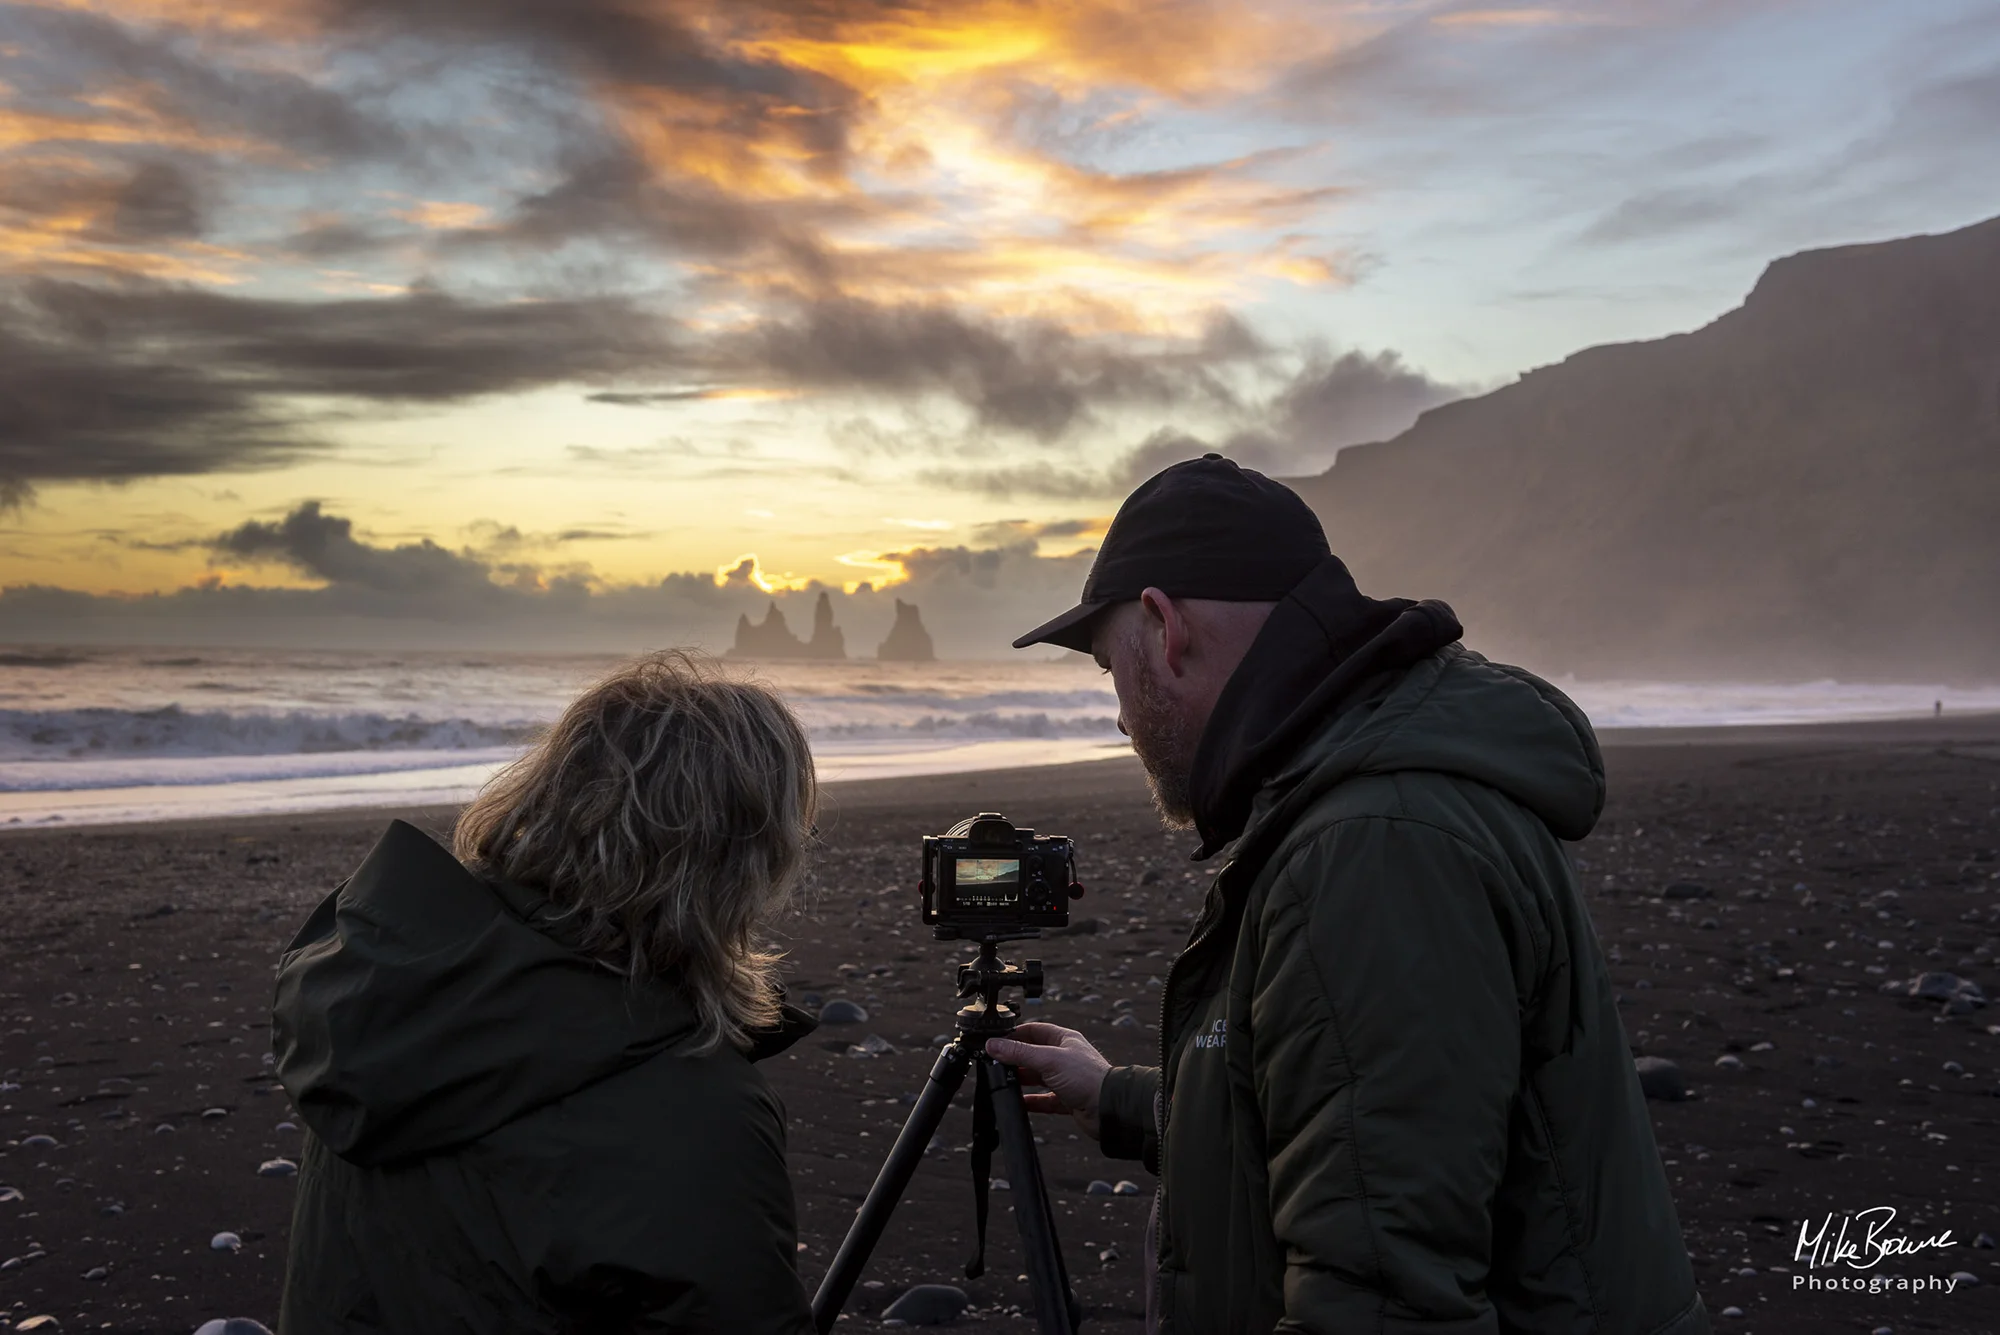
(1755,887)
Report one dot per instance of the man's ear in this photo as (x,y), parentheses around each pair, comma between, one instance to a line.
(1165,619)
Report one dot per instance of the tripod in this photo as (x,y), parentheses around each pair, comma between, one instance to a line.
(999,1118)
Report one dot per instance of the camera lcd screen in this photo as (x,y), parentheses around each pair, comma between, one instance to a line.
(987,882)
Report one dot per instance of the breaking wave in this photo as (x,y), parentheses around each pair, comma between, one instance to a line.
(94,733)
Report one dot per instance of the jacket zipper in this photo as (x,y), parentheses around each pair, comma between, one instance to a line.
(1160,1133)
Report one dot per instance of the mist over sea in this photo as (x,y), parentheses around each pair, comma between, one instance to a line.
(90,736)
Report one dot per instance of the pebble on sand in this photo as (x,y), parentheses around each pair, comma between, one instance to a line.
(1959,995)
(225,1242)
(1126,1187)
(1732,1311)
(1099,1187)
(1965,1277)
(235,1325)
(842,1011)
(1729,1061)
(277,1168)
(872,1046)
(42,1323)
(928,1305)
(41,1142)
(10,1194)
(1661,1079)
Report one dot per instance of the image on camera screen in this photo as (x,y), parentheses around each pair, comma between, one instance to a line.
(987,882)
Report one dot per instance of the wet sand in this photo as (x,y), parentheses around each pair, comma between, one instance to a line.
(137,963)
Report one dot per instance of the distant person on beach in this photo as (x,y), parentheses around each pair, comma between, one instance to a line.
(527,1070)
(1393,1092)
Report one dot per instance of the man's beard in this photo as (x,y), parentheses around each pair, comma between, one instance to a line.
(1160,738)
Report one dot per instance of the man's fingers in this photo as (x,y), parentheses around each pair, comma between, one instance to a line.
(1040,1033)
(1007,1050)
(1043,1102)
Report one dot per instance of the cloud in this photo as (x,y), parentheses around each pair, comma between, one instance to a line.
(1353,398)
(1031,376)
(111,383)
(170,82)
(119,202)
(324,547)
(421,594)
(1330,402)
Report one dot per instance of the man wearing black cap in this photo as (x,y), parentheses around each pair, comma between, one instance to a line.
(1394,1093)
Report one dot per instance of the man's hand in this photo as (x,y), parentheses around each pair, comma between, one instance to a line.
(1063,1062)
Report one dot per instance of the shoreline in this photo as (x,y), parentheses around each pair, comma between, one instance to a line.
(1977,730)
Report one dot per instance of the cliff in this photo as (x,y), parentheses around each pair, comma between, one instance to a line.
(908,641)
(1808,486)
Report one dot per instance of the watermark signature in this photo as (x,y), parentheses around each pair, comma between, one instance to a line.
(1861,1241)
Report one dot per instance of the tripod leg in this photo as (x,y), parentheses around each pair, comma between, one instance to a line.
(890,1183)
(1048,1278)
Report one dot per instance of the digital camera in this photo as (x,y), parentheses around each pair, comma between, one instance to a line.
(986,877)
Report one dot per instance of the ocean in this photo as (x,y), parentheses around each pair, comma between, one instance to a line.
(92,736)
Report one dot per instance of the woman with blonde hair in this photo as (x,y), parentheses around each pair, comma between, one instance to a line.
(527,1069)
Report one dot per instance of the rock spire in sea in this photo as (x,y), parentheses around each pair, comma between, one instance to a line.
(773,638)
(826,641)
(908,641)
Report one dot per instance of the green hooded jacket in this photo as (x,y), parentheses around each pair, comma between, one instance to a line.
(1397,1093)
(504,1136)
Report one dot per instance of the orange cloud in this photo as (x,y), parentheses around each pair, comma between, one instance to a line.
(444,215)
(1513,18)
(747,569)
(1183,48)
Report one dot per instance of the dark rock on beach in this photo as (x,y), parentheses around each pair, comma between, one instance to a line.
(928,1305)
(1661,1079)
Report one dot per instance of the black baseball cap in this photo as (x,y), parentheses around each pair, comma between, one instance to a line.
(1206,528)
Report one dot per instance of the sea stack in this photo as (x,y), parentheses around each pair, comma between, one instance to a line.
(770,638)
(827,640)
(908,641)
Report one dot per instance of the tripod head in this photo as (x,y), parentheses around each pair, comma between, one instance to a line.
(986,1015)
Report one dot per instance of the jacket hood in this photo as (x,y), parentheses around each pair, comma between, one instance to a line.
(1321,645)
(421,1007)
(1456,713)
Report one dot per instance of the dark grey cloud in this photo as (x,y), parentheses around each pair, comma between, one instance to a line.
(111,382)
(1352,398)
(606,193)
(323,546)
(66,54)
(145,199)
(645,46)
(337,240)
(1034,377)
(1329,403)
(1661,212)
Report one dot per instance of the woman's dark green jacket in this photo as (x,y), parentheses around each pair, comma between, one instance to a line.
(504,1137)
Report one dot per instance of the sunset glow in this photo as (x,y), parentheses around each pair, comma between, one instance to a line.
(650,287)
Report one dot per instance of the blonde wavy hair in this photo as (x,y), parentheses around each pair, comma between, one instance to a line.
(669,812)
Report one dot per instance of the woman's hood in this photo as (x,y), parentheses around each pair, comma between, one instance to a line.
(421,1007)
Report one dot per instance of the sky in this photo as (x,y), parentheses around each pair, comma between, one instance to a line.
(602,322)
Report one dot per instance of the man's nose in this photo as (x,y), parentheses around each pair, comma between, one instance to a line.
(1121,724)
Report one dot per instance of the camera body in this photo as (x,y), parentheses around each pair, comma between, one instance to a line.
(987,878)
